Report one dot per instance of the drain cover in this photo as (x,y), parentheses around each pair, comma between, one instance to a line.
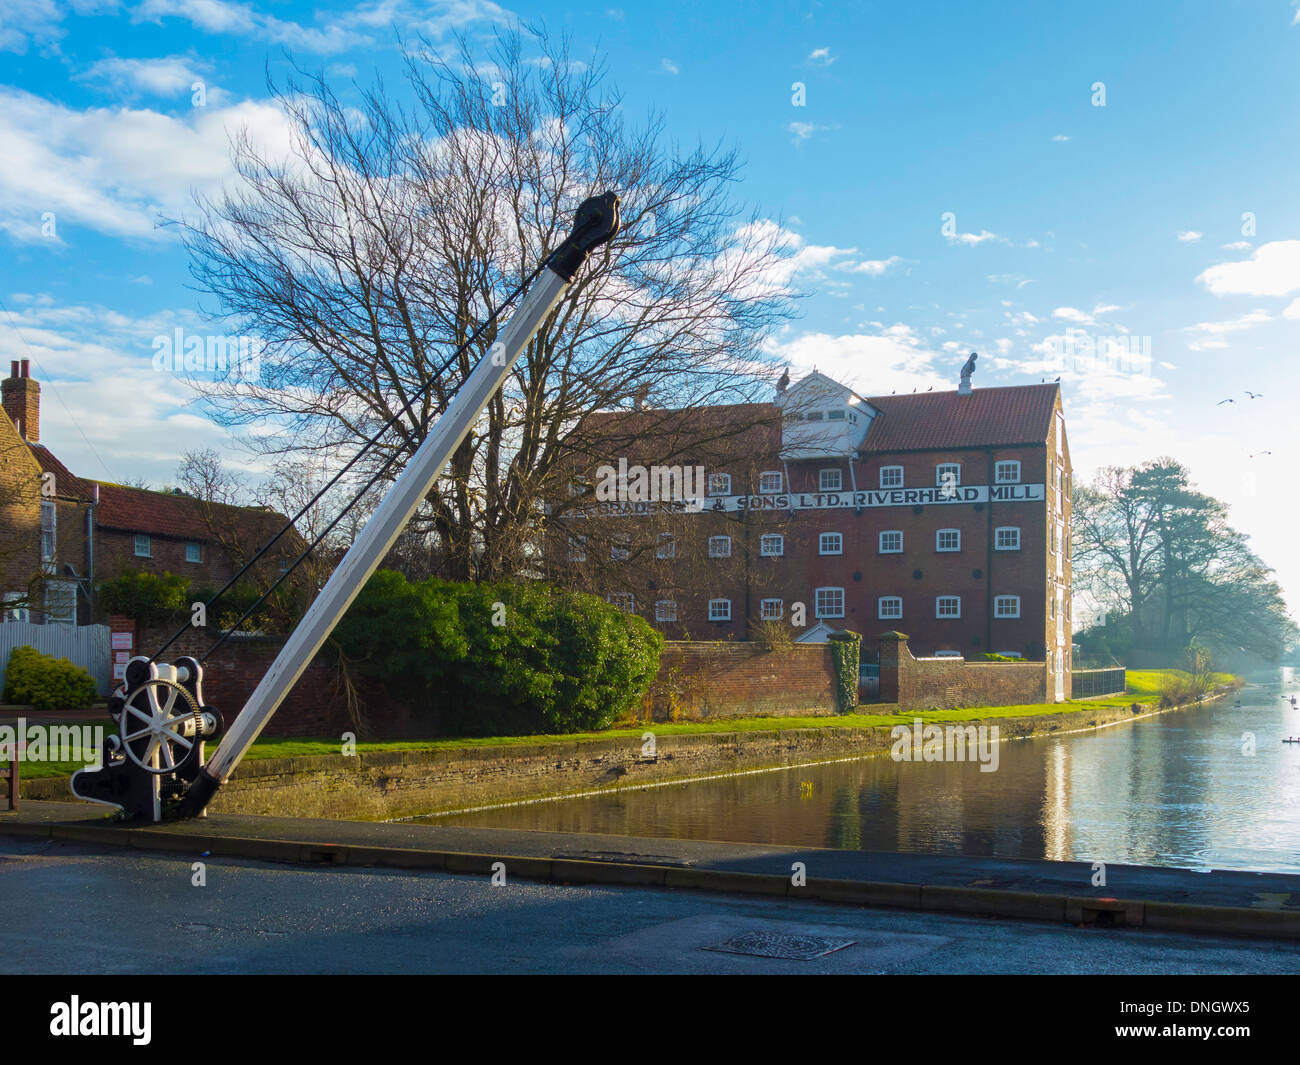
(781,945)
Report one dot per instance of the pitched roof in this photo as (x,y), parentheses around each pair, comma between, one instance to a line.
(182,517)
(986,417)
(67,485)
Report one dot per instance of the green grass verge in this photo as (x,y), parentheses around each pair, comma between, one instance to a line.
(1144,687)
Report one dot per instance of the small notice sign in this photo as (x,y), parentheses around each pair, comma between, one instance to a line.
(121,658)
(119,671)
(122,641)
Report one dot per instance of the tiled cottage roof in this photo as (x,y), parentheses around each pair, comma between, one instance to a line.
(1019,414)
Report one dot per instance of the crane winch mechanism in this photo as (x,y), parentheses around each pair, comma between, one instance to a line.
(154,767)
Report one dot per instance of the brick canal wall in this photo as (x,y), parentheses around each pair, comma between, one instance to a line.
(944,683)
(409,783)
(704,681)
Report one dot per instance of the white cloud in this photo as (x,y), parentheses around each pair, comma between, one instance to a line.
(671,67)
(1273,270)
(93,363)
(971,239)
(802,130)
(1238,245)
(821,56)
(1073,314)
(872,267)
(166,76)
(1292,310)
(1210,335)
(114,170)
(27,22)
(1061,137)
(895,359)
(341,30)
(1190,236)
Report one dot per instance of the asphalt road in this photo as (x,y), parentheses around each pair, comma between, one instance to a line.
(66,908)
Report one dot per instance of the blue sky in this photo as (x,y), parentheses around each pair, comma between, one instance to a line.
(949,185)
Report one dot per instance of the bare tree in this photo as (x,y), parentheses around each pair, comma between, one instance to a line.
(397,227)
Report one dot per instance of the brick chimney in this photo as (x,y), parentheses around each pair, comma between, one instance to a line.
(22,401)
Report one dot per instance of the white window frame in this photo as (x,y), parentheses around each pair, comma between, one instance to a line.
(890,470)
(823,475)
(999,601)
(666,546)
(198,552)
(940,601)
(719,484)
(827,611)
(69,592)
(763,545)
(17,613)
(148,546)
(625,601)
(764,484)
(938,473)
(881,613)
(823,549)
(997,538)
(837,415)
(620,548)
(665,610)
(719,547)
(771,609)
(577,549)
(716,608)
(49,530)
(947,654)
(880,542)
(1000,478)
(938,540)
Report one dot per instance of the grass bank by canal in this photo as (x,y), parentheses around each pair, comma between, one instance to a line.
(310,778)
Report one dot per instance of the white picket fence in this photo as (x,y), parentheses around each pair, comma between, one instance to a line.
(85,645)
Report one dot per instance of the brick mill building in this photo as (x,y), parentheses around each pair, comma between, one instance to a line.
(944,515)
(60,534)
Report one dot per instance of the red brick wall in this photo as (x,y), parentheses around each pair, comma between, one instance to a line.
(920,684)
(314,707)
(115,555)
(700,681)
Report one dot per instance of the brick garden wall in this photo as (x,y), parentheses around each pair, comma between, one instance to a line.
(919,684)
(700,681)
(314,707)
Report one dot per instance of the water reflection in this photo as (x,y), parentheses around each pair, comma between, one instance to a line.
(1170,790)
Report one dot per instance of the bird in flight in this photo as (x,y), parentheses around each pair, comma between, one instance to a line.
(1223,401)
(1254,395)
(1261,453)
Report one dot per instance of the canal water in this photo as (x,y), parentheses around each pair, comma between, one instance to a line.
(1176,789)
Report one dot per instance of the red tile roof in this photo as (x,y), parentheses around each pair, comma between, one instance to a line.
(66,484)
(1018,414)
(182,517)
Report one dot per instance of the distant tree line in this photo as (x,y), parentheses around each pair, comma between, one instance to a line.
(1169,571)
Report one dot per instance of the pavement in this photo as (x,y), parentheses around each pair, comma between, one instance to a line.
(136,912)
(1221,902)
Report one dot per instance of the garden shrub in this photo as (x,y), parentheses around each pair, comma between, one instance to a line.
(149,598)
(47,683)
(501,659)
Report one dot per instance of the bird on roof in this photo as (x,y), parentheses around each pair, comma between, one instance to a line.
(1058,380)
(784,383)
(930,389)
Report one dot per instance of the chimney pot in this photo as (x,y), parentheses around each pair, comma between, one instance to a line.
(13,368)
(24,368)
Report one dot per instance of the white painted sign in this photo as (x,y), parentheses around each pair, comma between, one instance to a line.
(860,500)
(122,641)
